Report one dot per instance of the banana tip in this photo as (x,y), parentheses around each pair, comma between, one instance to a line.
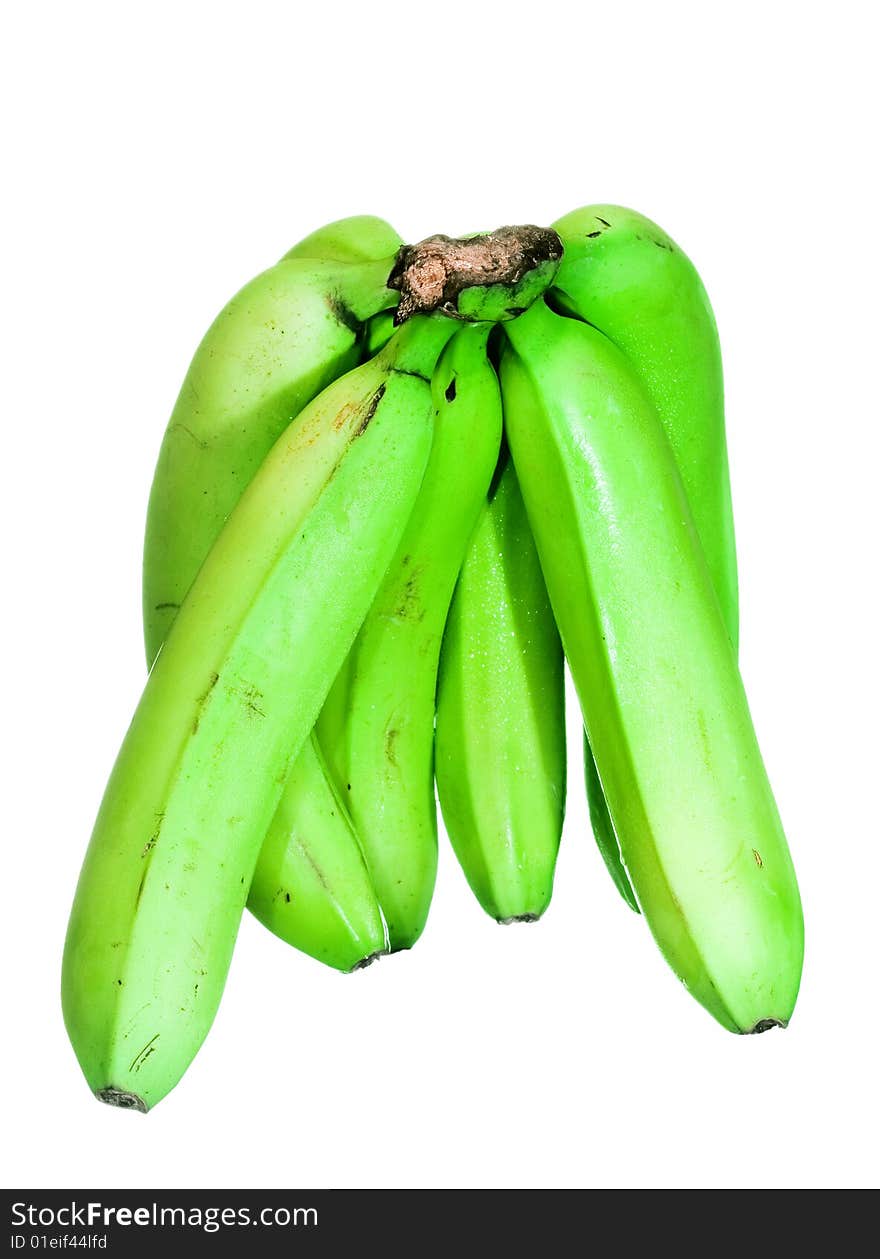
(367,961)
(765,1025)
(122,1099)
(505,922)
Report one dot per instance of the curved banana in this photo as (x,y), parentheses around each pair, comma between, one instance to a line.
(277,344)
(500,744)
(311,886)
(655,670)
(625,276)
(229,702)
(377,727)
(360,238)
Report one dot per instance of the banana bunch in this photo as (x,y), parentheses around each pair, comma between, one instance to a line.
(401,485)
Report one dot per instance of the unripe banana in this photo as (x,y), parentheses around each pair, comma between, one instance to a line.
(625,276)
(229,702)
(500,744)
(377,727)
(311,886)
(277,344)
(655,670)
(361,238)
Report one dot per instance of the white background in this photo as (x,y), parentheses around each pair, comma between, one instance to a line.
(160,156)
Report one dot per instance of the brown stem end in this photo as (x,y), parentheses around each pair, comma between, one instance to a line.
(431,275)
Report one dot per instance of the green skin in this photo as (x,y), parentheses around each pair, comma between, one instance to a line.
(228,705)
(314,891)
(625,276)
(360,238)
(655,670)
(498,303)
(603,830)
(377,727)
(635,285)
(311,885)
(378,332)
(274,347)
(500,742)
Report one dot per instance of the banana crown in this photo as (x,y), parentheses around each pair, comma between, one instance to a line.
(493,276)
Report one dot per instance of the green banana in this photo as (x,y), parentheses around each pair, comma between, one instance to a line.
(655,671)
(625,276)
(500,743)
(311,886)
(361,238)
(277,344)
(377,727)
(229,702)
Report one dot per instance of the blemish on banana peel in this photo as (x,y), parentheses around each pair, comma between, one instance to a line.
(202,700)
(370,411)
(390,741)
(410,606)
(319,873)
(599,230)
(704,739)
(344,314)
(140,886)
(430,275)
(345,415)
(177,427)
(251,695)
(449,392)
(151,842)
(759,861)
(140,1058)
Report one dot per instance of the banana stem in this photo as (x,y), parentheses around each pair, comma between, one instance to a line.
(433,274)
